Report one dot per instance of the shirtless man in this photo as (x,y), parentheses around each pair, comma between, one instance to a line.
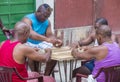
(107,54)
(13,53)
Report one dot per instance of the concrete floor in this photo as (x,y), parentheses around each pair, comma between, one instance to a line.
(57,74)
(61,70)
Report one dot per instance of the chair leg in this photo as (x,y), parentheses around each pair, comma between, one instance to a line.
(40,79)
(36,66)
(53,75)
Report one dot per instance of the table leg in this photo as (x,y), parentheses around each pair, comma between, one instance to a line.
(71,69)
(65,70)
(75,63)
(59,71)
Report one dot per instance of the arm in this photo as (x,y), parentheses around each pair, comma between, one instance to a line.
(88,40)
(33,34)
(98,52)
(49,35)
(34,55)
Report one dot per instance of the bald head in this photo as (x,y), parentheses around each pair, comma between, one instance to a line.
(21,31)
(104,31)
(21,27)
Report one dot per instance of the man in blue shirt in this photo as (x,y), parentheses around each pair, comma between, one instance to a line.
(41,35)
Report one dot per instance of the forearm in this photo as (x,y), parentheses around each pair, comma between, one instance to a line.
(38,37)
(82,53)
(85,42)
(41,57)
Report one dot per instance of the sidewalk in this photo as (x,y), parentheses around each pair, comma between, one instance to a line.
(57,74)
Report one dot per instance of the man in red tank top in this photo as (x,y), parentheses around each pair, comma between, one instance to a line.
(17,52)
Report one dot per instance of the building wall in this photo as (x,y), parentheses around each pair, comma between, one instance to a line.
(78,13)
(110,10)
(73,13)
(82,13)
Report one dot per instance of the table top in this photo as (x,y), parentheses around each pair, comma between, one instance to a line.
(63,53)
(60,54)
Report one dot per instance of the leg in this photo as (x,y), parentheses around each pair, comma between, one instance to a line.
(49,67)
(82,70)
(34,66)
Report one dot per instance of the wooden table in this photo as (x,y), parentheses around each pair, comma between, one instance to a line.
(64,54)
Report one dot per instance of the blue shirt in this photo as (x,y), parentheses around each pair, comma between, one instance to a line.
(37,26)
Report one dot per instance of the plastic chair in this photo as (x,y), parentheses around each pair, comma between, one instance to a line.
(7,32)
(6,75)
(112,74)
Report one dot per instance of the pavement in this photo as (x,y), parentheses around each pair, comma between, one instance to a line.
(57,74)
(62,71)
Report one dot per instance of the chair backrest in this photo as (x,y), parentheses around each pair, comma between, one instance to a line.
(6,74)
(112,74)
(7,32)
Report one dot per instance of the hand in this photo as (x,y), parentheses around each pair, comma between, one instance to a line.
(58,43)
(74,52)
(48,50)
(51,40)
(84,48)
(74,45)
(55,42)
(36,49)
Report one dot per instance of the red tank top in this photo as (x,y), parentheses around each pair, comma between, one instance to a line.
(6,59)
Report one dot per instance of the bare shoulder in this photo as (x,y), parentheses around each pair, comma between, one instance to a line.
(1,43)
(24,48)
(26,20)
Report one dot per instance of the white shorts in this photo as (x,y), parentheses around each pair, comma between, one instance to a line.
(42,45)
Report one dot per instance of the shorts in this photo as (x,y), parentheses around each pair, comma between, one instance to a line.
(90,65)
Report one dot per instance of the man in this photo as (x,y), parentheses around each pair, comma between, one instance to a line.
(41,35)
(88,66)
(107,54)
(41,28)
(13,53)
(91,38)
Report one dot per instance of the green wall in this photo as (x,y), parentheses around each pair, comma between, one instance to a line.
(12,11)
